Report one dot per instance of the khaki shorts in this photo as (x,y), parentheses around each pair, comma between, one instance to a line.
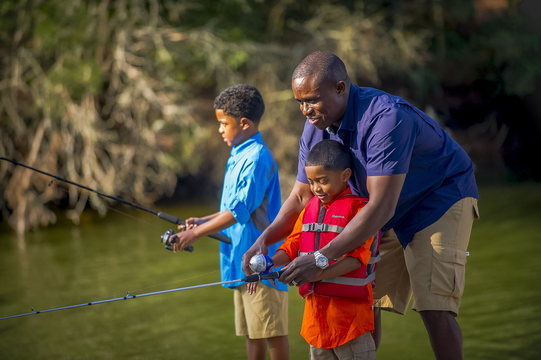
(262,315)
(432,266)
(360,348)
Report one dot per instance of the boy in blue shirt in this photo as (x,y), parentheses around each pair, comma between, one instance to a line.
(250,201)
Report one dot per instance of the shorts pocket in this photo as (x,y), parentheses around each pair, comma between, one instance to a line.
(448,271)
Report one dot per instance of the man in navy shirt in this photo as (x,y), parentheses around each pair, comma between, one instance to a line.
(422,194)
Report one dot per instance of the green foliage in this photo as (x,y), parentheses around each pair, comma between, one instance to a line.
(497,51)
(118,94)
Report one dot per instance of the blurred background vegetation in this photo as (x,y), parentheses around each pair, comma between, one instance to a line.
(117,95)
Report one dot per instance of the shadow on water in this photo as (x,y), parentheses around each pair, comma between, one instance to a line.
(105,258)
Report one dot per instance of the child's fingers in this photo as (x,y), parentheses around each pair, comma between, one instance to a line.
(252,287)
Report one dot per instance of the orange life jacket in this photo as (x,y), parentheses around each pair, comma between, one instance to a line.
(321,226)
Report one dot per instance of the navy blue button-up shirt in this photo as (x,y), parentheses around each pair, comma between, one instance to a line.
(389,136)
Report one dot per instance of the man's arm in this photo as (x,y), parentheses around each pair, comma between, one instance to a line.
(384,193)
(282,226)
(342,266)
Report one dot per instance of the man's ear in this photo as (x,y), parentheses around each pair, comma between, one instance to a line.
(340,88)
(346,174)
(245,123)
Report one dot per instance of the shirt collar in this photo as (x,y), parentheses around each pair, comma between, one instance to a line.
(345,192)
(348,121)
(257,138)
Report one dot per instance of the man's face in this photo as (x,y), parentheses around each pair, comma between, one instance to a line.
(322,103)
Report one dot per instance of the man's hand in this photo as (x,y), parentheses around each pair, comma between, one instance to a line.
(258,247)
(282,225)
(183,239)
(300,271)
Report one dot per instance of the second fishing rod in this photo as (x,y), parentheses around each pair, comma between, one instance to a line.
(167,239)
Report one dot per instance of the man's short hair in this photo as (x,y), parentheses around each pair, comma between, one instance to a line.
(240,101)
(325,65)
(332,155)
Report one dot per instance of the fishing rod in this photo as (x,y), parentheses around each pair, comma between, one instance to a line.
(249,278)
(164,216)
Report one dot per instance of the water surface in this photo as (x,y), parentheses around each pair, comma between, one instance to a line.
(106,257)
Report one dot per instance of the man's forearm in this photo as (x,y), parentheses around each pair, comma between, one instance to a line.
(362,227)
(384,194)
(284,222)
(342,266)
(282,226)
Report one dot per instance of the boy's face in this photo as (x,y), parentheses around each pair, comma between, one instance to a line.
(230,129)
(327,184)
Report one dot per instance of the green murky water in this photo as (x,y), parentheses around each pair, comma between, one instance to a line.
(105,258)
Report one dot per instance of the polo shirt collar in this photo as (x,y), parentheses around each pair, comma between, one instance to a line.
(348,121)
(257,138)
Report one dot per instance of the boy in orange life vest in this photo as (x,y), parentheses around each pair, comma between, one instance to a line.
(338,314)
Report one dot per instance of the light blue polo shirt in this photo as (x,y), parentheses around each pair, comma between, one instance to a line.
(389,136)
(251,191)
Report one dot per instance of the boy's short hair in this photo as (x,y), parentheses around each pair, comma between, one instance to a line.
(331,154)
(240,101)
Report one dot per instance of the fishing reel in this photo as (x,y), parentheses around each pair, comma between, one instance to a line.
(169,238)
(261,263)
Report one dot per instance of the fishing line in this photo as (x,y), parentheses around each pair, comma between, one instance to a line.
(164,216)
(249,278)
(176,281)
(113,209)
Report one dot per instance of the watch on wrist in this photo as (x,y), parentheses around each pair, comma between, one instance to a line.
(321,260)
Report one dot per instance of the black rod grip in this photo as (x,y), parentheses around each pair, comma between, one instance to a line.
(220,237)
(259,277)
(188,248)
(172,219)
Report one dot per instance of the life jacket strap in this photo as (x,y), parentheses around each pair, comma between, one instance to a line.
(319,227)
(351,281)
(374,259)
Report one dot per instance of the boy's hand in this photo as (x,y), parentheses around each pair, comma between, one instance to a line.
(252,286)
(183,239)
(191,223)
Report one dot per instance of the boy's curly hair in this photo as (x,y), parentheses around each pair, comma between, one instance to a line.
(240,101)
